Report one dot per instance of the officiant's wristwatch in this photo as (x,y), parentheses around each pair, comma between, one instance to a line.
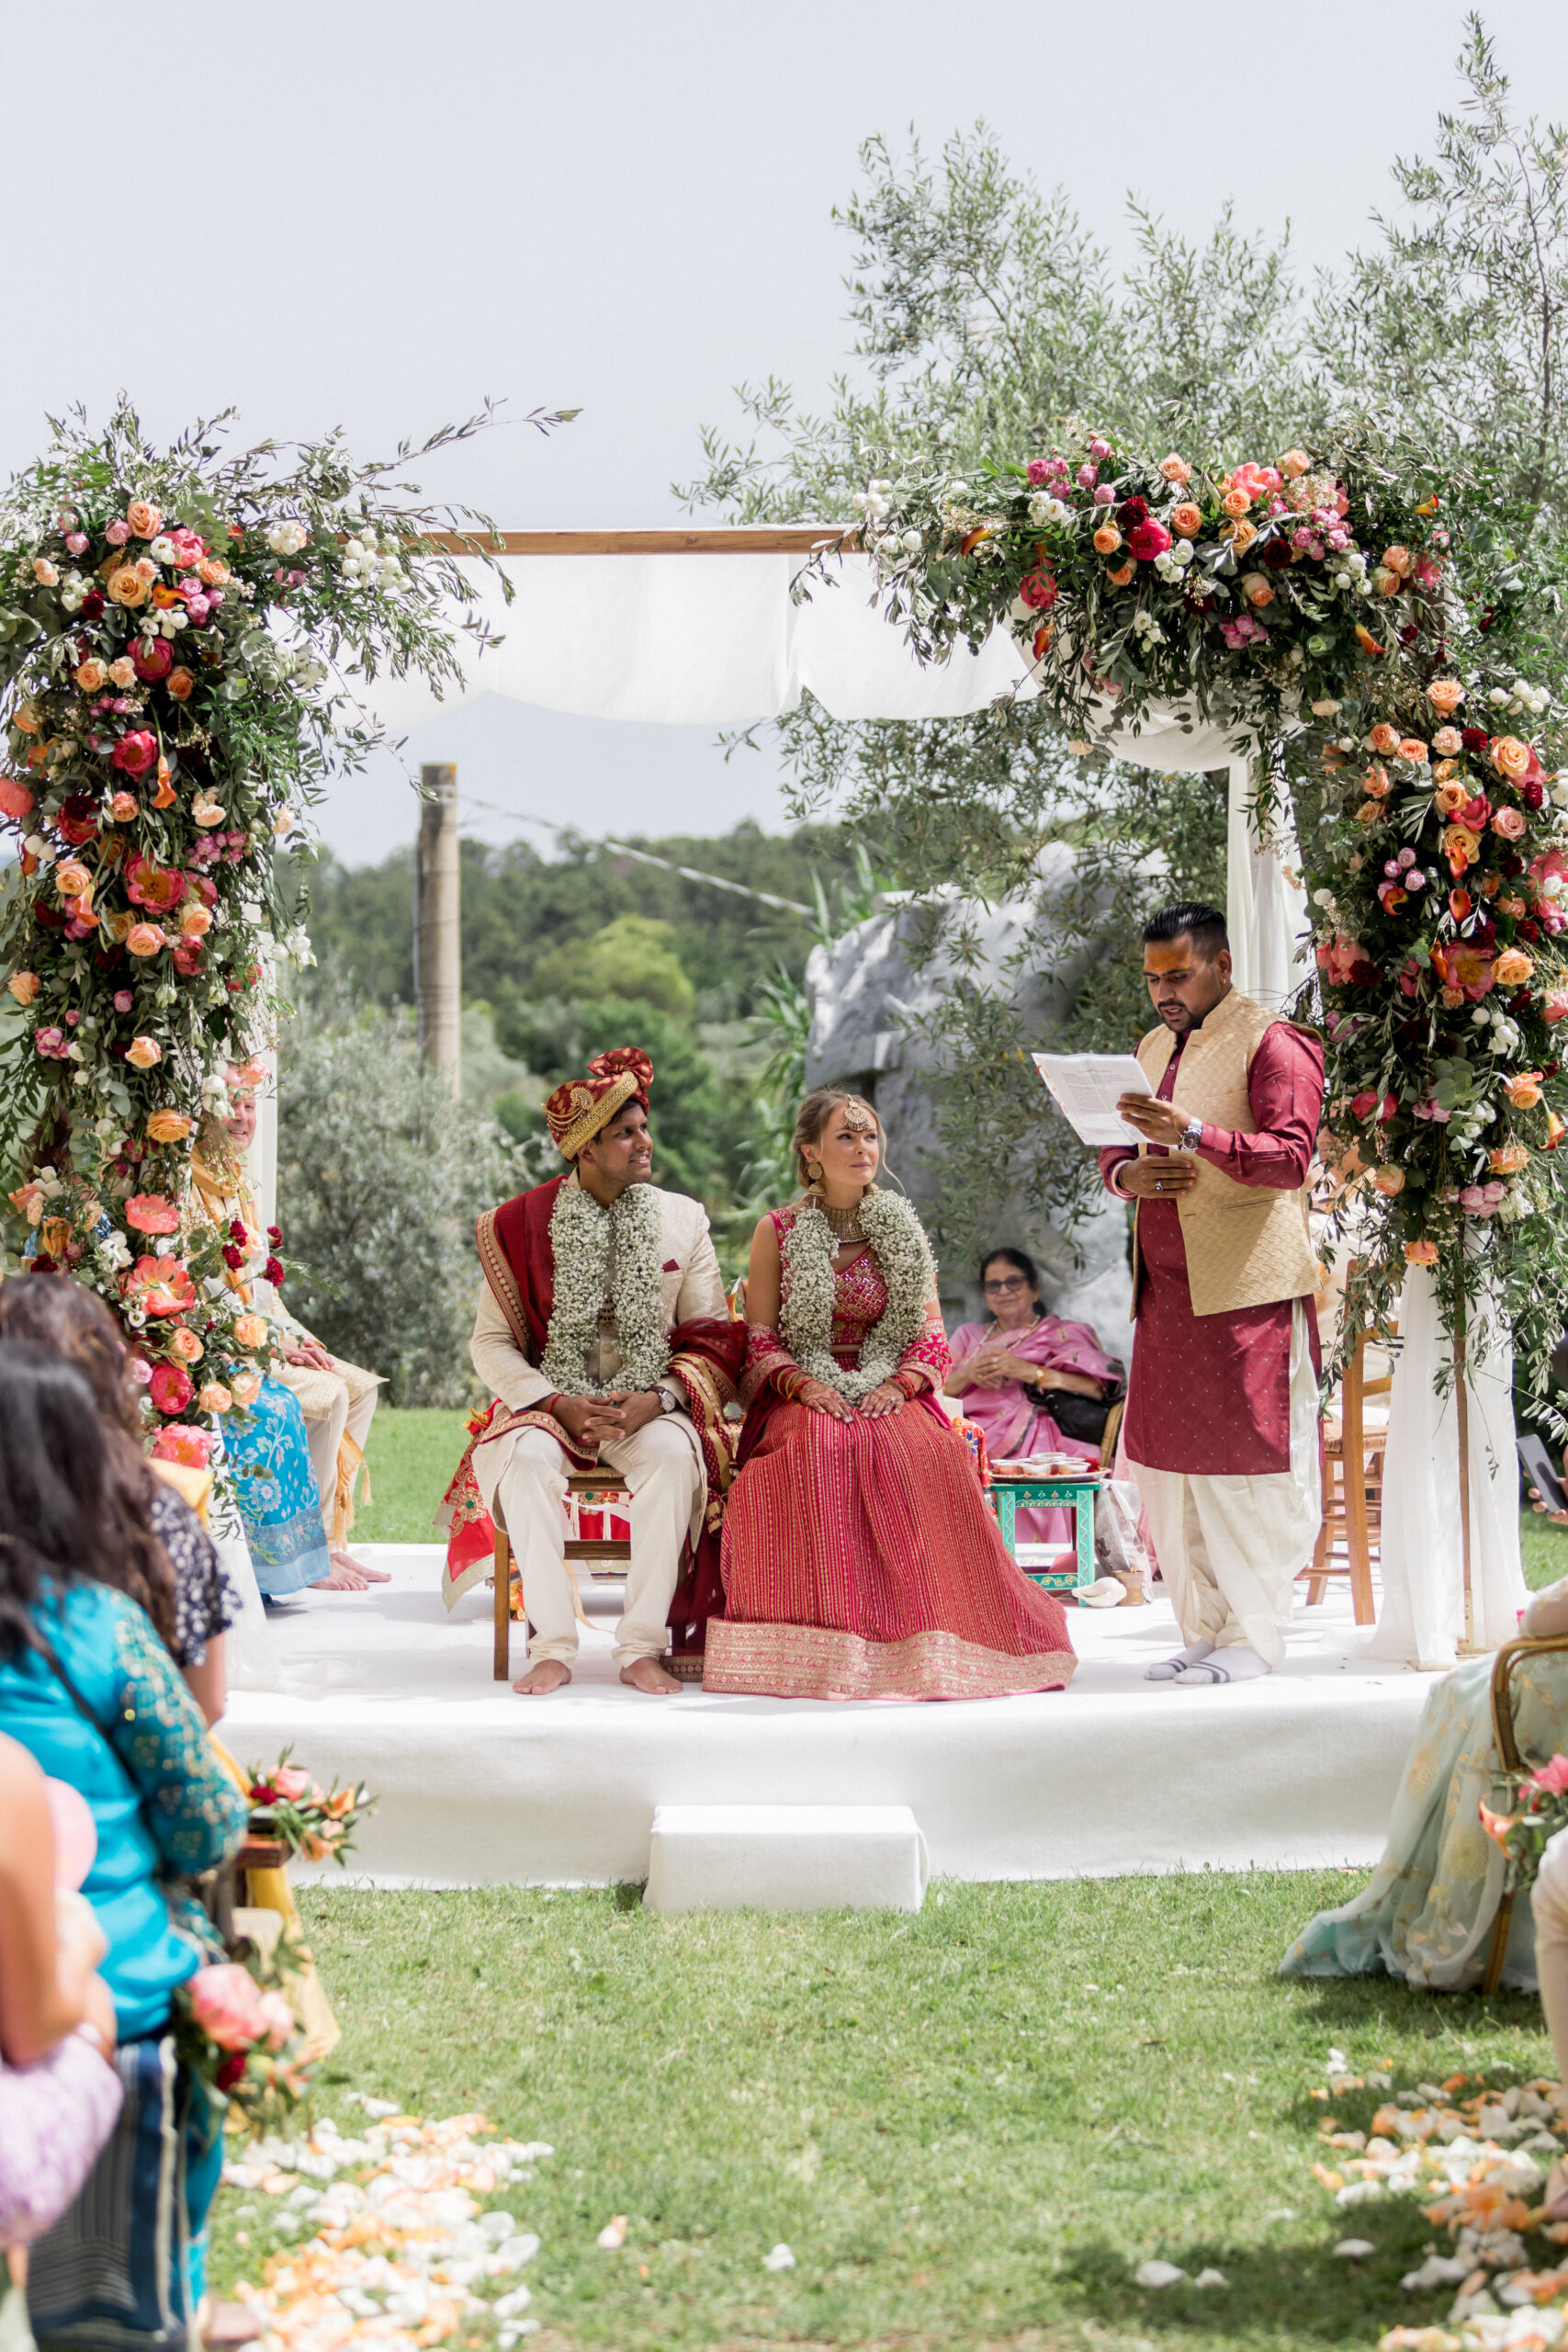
(1192,1135)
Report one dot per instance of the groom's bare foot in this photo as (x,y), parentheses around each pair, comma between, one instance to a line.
(646,1674)
(541,1680)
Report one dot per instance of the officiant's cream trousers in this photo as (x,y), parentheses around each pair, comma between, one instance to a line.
(664,1476)
(1230,1549)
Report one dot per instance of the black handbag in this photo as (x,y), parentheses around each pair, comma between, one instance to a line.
(1083,1418)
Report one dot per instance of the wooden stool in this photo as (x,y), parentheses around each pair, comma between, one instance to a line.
(1008,1495)
(1352,1492)
(591,1486)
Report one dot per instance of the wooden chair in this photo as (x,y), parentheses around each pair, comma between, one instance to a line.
(592,1487)
(1352,1491)
(1511,1654)
(1107,1439)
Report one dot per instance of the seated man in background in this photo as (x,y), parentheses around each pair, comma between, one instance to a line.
(604,1334)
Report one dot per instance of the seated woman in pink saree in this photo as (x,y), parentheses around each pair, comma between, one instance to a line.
(1012,1371)
(861,1560)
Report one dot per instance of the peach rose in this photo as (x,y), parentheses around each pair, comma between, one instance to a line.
(145,938)
(1445,695)
(1554,1005)
(92,675)
(1121,575)
(1512,823)
(1523,1090)
(183,1343)
(1383,739)
(1421,1253)
(1389,1180)
(1375,783)
(168,1127)
(1510,757)
(1240,534)
(1176,469)
(125,588)
(212,572)
(1399,560)
(1448,740)
(1508,1158)
(195,920)
(1236,502)
(1512,968)
(71,879)
(124,806)
(1258,589)
(1368,813)
(1386,582)
(1187,520)
(245,1387)
(25,987)
(250,1331)
(1107,540)
(122,674)
(143,1053)
(1412,748)
(179,682)
(203,809)
(1459,841)
(1450,796)
(215,1398)
(145,521)
(1443,770)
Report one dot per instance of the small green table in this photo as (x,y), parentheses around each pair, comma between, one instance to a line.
(1009,1496)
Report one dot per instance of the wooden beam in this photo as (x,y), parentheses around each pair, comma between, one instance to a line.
(792,538)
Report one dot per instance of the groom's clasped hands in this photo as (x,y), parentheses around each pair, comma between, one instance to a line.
(596,1421)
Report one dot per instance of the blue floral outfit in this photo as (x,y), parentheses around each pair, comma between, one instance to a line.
(276,1489)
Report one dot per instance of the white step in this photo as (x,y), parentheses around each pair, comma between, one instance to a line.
(786,1858)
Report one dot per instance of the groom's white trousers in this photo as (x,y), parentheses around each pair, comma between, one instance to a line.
(663,1473)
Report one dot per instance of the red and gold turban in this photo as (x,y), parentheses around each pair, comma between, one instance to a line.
(576,1112)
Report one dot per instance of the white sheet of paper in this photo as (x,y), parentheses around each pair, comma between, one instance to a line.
(1086,1087)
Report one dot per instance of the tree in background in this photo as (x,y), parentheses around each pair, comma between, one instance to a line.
(988,322)
(380,1180)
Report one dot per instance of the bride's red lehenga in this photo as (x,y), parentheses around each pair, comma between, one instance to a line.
(861,1560)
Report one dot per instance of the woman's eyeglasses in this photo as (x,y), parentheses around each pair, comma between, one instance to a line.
(1013,1282)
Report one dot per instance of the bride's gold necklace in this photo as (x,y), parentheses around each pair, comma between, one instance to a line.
(845,1223)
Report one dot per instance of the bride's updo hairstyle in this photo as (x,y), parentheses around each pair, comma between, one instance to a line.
(810,1120)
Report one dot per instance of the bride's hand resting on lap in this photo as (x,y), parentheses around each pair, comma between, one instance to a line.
(818,1398)
(882,1401)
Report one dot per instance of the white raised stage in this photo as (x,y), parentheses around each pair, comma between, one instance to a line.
(1110,1777)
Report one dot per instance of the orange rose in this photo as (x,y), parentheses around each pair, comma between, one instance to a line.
(168,1127)
(1176,469)
(1443,770)
(125,588)
(1412,748)
(1421,1253)
(183,1343)
(55,1235)
(144,938)
(1236,502)
(1450,796)
(1510,757)
(1461,842)
(143,1053)
(1383,739)
(250,1331)
(1258,589)
(71,879)
(145,521)
(1512,968)
(194,919)
(123,807)
(1375,783)
(1187,520)
(215,1398)
(1445,695)
(1524,1090)
(179,684)
(1121,575)
(1293,463)
(245,1387)
(1399,560)
(92,675)
(1508,1158)
(1389,1180)
(1107,540)
(1240,534)
(1368,813)
(25,987)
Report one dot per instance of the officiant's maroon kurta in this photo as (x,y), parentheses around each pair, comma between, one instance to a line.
(1209,1394)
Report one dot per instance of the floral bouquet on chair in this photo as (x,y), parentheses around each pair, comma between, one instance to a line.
(1539,1802)
(235,2030)
(317,1825)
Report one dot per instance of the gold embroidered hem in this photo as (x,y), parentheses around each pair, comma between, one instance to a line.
(817,1662)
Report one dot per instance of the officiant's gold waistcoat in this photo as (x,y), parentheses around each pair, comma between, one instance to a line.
(1246,1245)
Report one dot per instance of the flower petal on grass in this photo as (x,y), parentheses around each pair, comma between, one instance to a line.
(1154,2273)
(613,2234)
(780,2258)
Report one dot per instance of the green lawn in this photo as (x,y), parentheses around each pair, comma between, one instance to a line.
(411,1458)
(970,2127)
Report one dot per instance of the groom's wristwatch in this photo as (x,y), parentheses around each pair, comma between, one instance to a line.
(669,1401)
(1192,1135)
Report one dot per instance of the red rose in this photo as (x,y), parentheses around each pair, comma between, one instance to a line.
(274,1234)
(1474,738)
(78,818)
(1532,794)
(1038,591)
(135,753)
(231,2071)
(1276,555)
(93,604)
(1145,540)
(172,1388)
(1132,511)
(238,1231)
(233,1259)
(273,1272)
(152,658)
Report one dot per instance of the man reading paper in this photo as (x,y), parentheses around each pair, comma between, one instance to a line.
(1221,1424)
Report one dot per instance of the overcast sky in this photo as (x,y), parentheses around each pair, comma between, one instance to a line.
(375,212)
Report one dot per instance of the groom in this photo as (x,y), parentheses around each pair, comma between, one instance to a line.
(605,1335)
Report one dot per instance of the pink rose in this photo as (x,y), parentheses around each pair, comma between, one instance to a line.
(142,519)
(1038,472)
(178,1440)
(76,542)
(1511,824)
(290,1781)
(123,999)
(1038,591)
(1552,1777)
(225,2001)
(1147,539)
(52,1043)
(118,533)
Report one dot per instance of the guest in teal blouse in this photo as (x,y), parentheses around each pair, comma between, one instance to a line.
(88,1687)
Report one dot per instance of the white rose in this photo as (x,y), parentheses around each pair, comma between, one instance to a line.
(162,549)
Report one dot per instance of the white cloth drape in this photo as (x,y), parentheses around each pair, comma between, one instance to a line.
(1422,1619)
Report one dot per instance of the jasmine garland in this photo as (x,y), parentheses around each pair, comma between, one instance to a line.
(806,1318)
(582,1236)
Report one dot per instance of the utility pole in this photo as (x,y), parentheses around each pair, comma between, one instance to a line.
(438,964)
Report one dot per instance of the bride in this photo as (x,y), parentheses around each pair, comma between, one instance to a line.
(860,1560)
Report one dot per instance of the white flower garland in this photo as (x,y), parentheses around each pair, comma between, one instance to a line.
(805,1320)
(581,1235)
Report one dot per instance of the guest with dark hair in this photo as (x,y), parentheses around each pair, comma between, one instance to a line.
(163,1557)
(86,1686)
(1033,1383)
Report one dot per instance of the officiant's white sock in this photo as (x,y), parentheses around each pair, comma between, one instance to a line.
(1166,1669)
(1237,1663)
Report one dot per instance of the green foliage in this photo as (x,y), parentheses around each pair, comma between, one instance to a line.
(380,1180)
(632,957)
